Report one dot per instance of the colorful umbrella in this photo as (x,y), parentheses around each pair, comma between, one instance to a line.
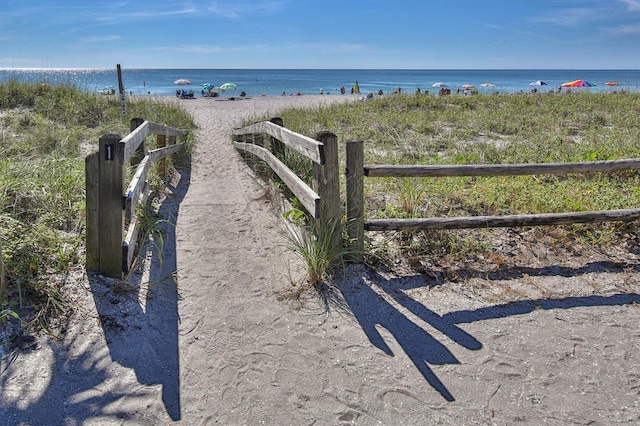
(538,83)
(227,86)
(611,83)
(578,83)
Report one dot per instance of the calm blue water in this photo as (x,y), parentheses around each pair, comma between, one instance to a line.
(160,82)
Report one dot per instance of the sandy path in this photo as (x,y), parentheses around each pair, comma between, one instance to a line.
(224,350)
(245,353)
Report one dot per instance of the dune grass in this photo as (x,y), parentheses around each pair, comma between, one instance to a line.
(487,129)
(46,132)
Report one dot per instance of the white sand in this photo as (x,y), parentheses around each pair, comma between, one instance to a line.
(224,350)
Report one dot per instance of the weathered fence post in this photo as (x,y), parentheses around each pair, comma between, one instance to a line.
(140,151)
(326,182)
(161,141)
(110,202)
(277,147)
(172,141)
(355,199)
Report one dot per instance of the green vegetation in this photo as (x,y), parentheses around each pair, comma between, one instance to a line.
(314,245)
(46,133)
(487,129)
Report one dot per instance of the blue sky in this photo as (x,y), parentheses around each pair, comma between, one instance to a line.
(413,34)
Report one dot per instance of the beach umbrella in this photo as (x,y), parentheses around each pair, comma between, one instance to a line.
(182,81)
(578,83)
(538,83)
(439,85)
(227,86)
(611,83)
(468,86)
(487,84)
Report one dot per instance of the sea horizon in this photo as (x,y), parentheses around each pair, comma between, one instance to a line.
(278,81)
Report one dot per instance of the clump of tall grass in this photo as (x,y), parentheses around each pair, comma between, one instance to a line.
(313,241)
(45,133)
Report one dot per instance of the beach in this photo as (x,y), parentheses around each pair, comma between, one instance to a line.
(204,331)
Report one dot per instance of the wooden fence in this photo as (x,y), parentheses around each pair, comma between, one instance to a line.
(322,199)
(356,171)
(110,207)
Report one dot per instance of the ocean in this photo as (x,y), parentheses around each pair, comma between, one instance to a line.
(272,82)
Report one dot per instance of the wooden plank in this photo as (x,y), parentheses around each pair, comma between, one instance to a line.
(133,231)
(326,180)
(137,157)
(111,219)
(305,145)
(130,143)
(624,215)
(309,199)
(161,129)
(92,188)
(500,169)
(355,199)
(161,142)
(133,191)
(159,153)
(129,245)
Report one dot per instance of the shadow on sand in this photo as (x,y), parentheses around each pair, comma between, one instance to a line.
(150,347)
(140,325)
(371,309)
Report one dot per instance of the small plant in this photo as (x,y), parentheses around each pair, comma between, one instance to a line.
(315,245)
(411,194)
(6,313)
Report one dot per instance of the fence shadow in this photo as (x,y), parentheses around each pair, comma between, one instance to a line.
(142,333)
(140,325)
(371,309)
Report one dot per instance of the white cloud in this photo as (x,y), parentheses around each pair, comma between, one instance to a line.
(632,5)
(624,29)
(237,9)
(102,39)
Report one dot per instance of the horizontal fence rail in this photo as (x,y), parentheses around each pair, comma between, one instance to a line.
(322,199)
(500,169)
(356,171)
(305,194)
(110,207)
(422,224)
(310,148)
